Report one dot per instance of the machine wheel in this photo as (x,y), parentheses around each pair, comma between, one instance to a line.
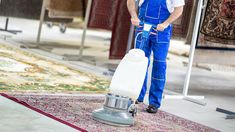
(63,27)
(133,110)
(134,113)
(49,24)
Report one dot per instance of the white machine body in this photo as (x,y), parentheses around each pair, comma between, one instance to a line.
(119,108)
(129,76)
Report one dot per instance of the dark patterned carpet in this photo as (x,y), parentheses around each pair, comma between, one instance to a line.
(218,27)
(75,111)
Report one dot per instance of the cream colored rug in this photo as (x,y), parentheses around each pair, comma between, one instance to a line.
(24,72)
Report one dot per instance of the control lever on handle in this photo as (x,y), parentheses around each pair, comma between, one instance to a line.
(145,24)
(148,29)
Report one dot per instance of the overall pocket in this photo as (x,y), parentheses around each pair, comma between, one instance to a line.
(153,8)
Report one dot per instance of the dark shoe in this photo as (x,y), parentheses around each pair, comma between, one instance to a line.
(138,102)
(152,109)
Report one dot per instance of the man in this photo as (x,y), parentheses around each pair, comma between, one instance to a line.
(160,13)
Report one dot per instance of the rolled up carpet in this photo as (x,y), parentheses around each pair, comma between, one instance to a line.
(65,8)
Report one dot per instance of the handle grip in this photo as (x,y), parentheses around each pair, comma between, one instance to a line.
(142,24)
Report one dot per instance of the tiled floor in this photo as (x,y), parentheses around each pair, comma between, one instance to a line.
(17,118)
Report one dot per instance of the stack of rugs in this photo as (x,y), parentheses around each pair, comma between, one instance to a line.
(66,8)
(31,9)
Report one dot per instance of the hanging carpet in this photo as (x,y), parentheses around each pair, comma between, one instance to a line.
(219,24)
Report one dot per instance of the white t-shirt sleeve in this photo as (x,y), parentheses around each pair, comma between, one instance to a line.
(171,4)
(177,3)
(140,2)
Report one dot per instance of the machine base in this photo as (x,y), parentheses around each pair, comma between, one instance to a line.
(113,117)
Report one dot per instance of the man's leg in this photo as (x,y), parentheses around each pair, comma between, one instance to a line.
(143,90)
(160,46)
(147,49)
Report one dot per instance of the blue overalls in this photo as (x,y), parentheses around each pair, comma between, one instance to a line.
(155,12)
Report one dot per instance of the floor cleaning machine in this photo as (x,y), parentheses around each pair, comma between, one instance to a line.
(119,108)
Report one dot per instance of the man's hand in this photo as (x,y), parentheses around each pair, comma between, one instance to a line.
(135,21)
(174,15)
(132,10)
(162,26)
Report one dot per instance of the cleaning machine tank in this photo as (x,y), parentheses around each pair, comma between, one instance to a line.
(119,108)
(129,76)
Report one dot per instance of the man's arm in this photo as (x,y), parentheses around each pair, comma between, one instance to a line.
(174,15)
(132,10)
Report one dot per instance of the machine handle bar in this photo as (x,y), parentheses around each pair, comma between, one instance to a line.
(141,24)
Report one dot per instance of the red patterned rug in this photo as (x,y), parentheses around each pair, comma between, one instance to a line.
(75,111)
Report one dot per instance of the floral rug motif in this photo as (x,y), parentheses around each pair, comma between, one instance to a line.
(228,9)
(218,27)
(24,72)
(76,111)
